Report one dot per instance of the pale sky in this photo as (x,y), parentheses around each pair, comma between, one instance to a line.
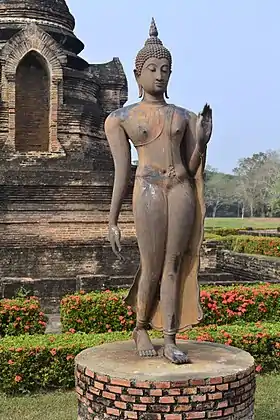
(224,53)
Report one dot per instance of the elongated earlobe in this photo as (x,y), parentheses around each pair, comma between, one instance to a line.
(166,95)
(140,89)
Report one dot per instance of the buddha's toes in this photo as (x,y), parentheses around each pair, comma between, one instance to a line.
(175,355)
(143,343)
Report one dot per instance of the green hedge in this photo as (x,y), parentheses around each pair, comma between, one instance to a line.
(246,244)
(29,363)
(222,231)
(260,245)
(101,312)
(21,315)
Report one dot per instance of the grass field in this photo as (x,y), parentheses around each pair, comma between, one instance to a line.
(63,405)
(227,222)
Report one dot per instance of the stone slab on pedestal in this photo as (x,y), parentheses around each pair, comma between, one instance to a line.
(113,382)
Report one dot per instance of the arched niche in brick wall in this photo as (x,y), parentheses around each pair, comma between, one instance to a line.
(32,105)
(33,42)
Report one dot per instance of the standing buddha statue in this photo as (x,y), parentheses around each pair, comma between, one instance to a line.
(168,200)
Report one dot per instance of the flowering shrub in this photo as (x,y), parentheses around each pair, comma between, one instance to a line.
(21,316)
(261,245)
(106,311)
(228,305)
(36,362)
(261,340)
(97,312)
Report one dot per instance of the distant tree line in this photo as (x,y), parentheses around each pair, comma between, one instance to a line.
(252,190)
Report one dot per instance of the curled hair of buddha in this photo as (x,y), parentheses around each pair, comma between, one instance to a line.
(153,48)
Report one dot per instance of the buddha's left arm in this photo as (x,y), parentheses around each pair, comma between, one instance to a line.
(195,158)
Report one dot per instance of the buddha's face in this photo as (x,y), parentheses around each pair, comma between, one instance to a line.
(155,76)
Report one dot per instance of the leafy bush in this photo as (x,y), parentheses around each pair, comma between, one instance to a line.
(222,231)
(30,363)
(261,340)
(260,245)
(101,312)
(97,312)
(21,316)
(246,244)
(212,237)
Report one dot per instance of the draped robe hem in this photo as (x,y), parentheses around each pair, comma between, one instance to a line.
(189,309)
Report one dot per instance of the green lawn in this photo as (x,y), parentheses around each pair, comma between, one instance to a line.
(63,406)
(225,222)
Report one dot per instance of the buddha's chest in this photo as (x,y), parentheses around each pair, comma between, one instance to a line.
(147,124)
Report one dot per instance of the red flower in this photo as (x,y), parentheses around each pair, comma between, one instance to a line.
(258,368)
(18,378)
(10,362)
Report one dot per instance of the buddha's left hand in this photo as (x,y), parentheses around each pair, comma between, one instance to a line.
(204,127)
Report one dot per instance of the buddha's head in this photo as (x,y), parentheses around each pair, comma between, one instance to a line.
(153,66)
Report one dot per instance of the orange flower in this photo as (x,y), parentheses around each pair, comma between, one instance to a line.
(18,378)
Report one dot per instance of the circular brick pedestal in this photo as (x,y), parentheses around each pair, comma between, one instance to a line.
(112,382)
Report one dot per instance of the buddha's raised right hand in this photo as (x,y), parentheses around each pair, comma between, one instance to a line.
(115,241)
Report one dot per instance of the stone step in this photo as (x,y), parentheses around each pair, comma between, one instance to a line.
(213,277)
(54,324)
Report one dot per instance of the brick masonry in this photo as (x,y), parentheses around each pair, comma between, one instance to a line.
(106,397)
(80,94)
(249,268)
(55,163)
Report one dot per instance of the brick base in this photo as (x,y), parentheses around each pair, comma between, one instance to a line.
(226,393)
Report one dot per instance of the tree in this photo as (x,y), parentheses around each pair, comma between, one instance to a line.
(219,190)
(271,182)
(258,177)
(248,171)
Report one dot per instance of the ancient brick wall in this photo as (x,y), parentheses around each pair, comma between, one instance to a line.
(208,256)
(271,233)
(251,268)
(32,105)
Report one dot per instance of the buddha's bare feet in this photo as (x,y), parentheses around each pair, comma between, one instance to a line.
(174,354)
(143,343)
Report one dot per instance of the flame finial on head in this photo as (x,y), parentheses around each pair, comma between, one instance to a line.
(153,29)
(153,48)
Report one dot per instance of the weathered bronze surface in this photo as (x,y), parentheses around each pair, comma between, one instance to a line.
(168,202)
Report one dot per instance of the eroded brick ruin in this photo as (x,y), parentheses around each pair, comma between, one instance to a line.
(56,170)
